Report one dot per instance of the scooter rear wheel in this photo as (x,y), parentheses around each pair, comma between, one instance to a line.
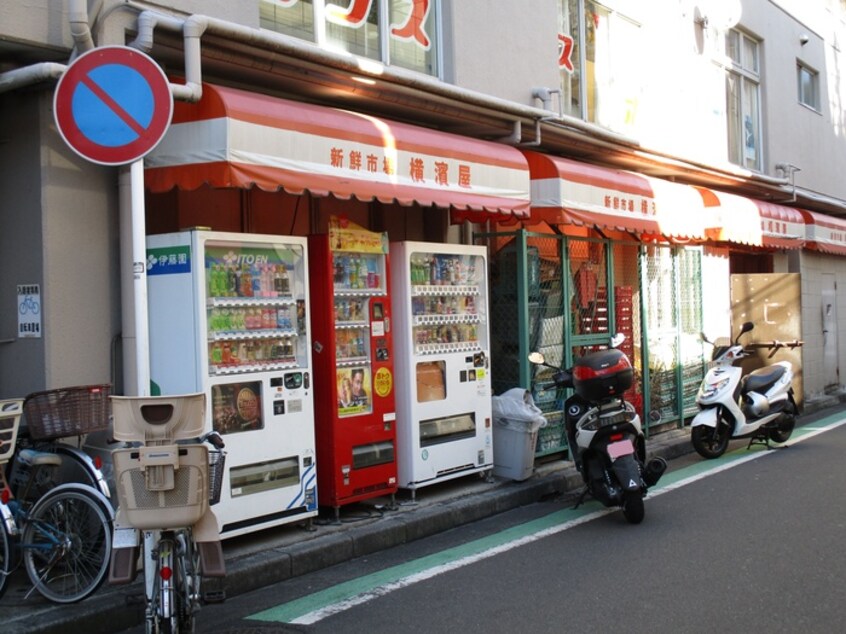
(710,442)
(633,509)
(785,428)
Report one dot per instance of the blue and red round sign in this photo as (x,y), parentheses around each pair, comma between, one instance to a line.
(113,105)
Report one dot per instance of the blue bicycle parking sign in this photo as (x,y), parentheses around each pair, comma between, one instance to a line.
(29,310)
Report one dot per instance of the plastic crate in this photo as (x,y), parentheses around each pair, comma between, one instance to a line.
(553,437)
(67,411)
(10,420)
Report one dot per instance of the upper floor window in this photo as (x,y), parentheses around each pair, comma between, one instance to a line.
(600,79)
(809,86)
(742,100)
(400,32)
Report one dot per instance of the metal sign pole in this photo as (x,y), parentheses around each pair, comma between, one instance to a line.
(133,248)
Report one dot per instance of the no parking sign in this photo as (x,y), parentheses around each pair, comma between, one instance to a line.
(113,105)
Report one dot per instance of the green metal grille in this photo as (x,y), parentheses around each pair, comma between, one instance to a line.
(672,287)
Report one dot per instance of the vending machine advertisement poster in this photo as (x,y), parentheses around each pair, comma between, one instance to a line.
(354,387)
(236,407)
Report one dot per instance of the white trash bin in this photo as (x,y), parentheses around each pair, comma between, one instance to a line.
(516,421)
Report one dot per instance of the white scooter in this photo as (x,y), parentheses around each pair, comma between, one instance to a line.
(759,406)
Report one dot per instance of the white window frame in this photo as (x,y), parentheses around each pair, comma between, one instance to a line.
(746,75)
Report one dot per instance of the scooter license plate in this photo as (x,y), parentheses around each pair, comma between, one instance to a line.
(620,448)
(125,538)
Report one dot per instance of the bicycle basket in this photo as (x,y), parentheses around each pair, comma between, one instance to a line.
(217,461)
(10,419)
(67,411)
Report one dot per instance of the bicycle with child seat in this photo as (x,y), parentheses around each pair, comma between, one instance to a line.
(61,532)
(166,479)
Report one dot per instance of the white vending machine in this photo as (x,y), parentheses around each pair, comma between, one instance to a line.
(229,317)
(442,364)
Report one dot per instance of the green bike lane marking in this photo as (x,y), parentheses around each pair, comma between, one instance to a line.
(319,605)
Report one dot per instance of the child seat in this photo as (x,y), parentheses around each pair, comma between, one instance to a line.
(161,484)
(10,419)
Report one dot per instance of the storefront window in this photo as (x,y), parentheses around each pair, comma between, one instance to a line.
(353,27)
(291,17)
(398,32)
(569,57)
(413,31)
(599,74)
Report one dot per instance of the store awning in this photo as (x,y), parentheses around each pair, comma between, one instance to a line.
(234,138)
(754,222)
(569,192)
(825,233)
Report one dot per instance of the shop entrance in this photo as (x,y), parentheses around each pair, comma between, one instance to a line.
(773,302)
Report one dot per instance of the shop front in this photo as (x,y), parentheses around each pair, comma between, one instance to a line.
(609,251)
(605,251)
(256,172)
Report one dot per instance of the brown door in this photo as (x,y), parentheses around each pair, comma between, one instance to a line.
(772,301)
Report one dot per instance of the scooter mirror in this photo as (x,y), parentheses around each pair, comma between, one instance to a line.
(617,339)
(746,327)
(537,358)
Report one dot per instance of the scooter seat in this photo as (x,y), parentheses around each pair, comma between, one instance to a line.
(762,379)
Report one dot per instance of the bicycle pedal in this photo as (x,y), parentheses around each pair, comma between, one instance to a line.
(214,596)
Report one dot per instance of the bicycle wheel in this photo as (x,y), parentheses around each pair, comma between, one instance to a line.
(188,581)
(67,542)
(5,556)
(165,612)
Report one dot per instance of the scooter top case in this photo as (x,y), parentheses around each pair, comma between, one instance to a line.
(602,374)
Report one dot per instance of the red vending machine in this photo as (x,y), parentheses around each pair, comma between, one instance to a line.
(352,353)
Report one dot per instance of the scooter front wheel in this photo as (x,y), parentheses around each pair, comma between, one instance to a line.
(633,509)
(710,442)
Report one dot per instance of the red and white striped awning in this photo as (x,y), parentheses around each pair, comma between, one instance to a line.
(569,192)
(754,222)
(234,138)
(825,233)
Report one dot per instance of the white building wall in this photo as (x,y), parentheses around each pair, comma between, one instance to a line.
(716,293)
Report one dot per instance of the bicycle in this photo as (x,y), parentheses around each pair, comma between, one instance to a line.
(63,536)
(52,417)
(166,480)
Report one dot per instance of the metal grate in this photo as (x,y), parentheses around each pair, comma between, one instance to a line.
(672,293)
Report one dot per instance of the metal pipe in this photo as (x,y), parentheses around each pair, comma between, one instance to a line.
(195,26)
(79,27)
(133,271)
(28,75)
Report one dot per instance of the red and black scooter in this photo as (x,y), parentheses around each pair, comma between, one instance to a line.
(604,431)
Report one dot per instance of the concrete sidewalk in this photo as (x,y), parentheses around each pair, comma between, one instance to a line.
(256,561)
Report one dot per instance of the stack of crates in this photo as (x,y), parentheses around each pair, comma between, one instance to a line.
(624,319)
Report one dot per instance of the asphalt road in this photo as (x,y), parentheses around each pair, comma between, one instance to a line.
(747,546)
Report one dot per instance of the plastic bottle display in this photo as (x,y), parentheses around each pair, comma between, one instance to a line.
(356,271)
(443,304)
(252,318)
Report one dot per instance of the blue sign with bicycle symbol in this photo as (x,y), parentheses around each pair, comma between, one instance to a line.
(29,310)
